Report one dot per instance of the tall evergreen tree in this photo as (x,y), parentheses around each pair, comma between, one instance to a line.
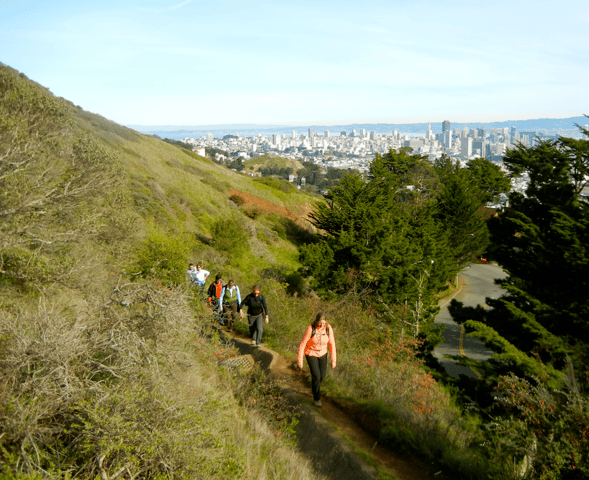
(459,209)
(542,241)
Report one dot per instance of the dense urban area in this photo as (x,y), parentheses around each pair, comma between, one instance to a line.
(356,149)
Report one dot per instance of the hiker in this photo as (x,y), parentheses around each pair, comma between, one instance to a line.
(190,273)
(200,276)
(231,301)
(257,308)
(318,338)
(214,293)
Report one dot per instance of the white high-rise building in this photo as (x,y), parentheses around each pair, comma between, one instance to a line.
(466,148)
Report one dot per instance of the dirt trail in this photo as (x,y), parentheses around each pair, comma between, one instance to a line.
(342,424)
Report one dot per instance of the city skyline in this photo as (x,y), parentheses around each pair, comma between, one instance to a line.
(304,63)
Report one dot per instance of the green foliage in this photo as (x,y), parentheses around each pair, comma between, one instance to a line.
(281,185)
(489,179)
(540,327)
(230,236)
(164,255)
(459,211)
(544,432)
(239,201)
(542,240)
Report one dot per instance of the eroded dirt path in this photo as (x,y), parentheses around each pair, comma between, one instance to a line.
(344,417)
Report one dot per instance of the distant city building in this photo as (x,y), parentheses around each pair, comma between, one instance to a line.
(446,126)
(326,133)
(466,148)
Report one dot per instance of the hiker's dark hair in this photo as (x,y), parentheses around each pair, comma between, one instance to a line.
(320,316)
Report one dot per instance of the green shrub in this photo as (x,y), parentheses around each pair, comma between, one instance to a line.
(239,201)
(252,212)
(231,237)
(164,255)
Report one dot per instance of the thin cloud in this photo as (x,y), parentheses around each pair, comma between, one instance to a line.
(170,8)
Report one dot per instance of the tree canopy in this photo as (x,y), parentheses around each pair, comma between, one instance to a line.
(542,241)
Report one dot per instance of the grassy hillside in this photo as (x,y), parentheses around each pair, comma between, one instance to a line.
(107,361)
(254,164)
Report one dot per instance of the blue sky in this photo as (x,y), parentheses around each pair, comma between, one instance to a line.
(196,62)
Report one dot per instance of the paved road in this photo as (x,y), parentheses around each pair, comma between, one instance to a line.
(478,284)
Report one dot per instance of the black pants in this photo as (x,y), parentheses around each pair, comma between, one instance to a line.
(318,368)
(256,328)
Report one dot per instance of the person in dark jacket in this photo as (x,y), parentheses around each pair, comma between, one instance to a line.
(214,293)
(256,311)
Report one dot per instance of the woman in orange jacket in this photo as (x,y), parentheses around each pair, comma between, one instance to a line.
(317,340)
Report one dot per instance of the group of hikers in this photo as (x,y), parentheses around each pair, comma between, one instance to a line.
(226,301)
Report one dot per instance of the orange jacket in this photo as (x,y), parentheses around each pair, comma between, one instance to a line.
(317,345)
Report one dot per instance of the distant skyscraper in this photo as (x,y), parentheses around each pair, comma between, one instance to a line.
(294,134)
(446,126)
(310,132)
(430,134)
(327,133)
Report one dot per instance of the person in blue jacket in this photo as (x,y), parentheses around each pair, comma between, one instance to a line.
(231,301)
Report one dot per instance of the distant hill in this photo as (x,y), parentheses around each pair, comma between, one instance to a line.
(546,125)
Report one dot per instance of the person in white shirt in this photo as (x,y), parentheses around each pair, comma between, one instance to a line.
(198,275)
(231,301)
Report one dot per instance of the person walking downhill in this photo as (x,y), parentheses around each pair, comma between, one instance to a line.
(214,292)
(257,308)
(318,338)
(230,300)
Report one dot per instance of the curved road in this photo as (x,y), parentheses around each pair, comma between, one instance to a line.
(478,284)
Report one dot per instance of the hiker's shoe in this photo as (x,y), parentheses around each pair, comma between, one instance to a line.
(253,342)
(317,403)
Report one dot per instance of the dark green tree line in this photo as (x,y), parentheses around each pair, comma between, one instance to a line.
(540,328)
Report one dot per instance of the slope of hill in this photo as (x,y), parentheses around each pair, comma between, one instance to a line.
(106,358)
